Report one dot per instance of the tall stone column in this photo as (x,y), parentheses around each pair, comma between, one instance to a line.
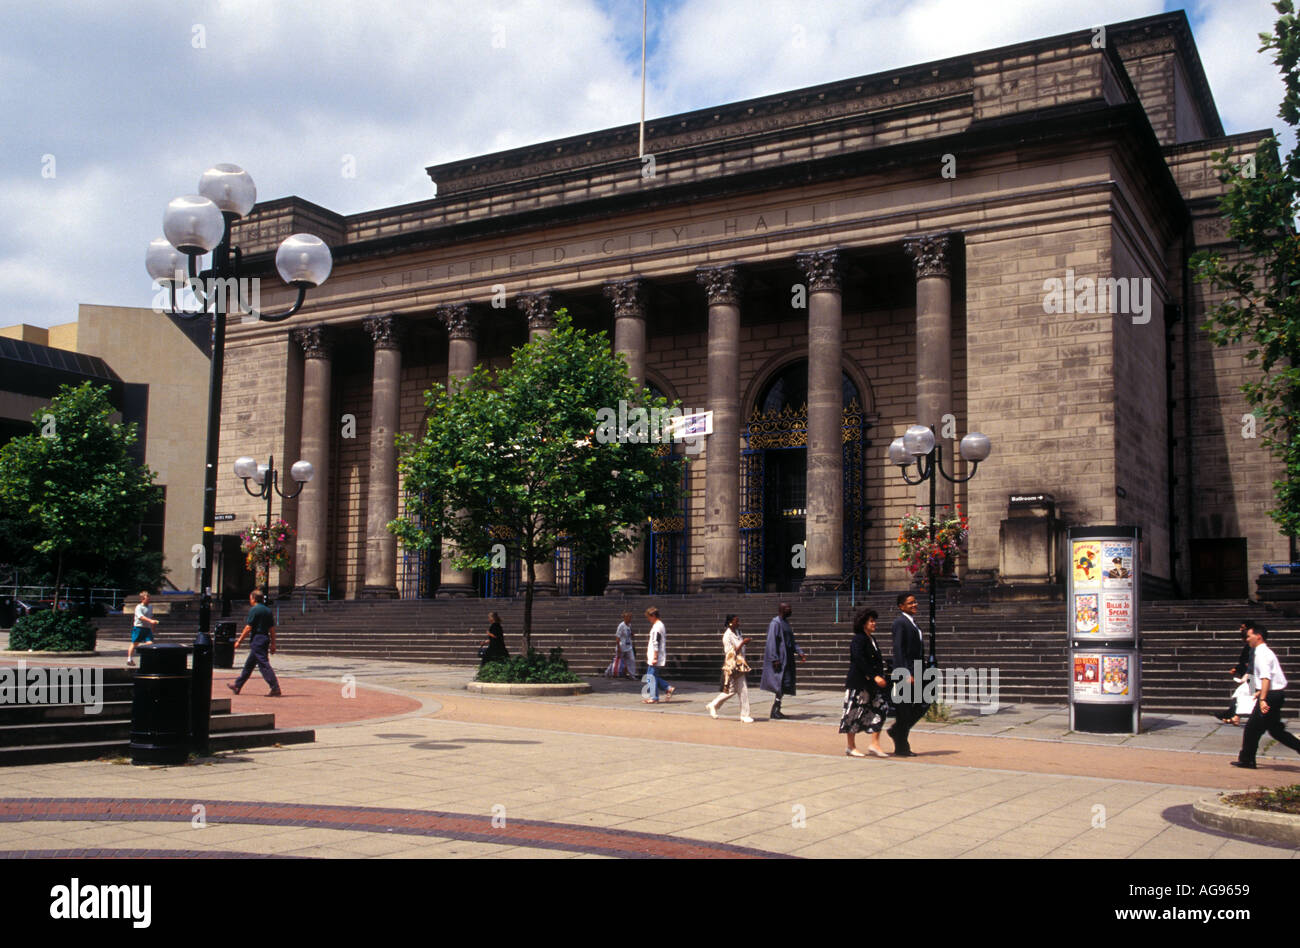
(462,356)
(541,320)
(312,562)
(627,571)
(930,259)
(824,536)
(722,455)
(381,492)
(539,310)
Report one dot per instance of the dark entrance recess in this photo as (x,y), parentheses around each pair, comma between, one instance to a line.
(774,483)
(1219,569)
(233,580)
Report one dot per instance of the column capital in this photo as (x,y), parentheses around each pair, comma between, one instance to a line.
(821,268)
(537,308)
(460,322)
(386,331)
(628,296)
(316,341)
(722,284)
(930,254)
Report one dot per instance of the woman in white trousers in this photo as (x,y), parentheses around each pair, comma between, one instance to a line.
(734,667)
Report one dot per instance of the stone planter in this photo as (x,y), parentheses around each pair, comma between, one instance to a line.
(1260,824)
(547,690)
(30,655)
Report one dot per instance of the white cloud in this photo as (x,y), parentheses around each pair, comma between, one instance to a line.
(133,112)
(1247,87)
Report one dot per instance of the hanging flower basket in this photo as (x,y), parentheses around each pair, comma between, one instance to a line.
(918,554)
(266,545)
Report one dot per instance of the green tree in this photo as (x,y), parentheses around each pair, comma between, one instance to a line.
(534,458)
(1261,283)
(73,487)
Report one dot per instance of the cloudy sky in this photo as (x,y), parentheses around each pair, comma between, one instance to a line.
(112,109)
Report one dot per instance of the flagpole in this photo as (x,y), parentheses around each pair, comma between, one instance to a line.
(641,147)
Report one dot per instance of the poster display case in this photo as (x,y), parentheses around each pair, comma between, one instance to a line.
(1103,605)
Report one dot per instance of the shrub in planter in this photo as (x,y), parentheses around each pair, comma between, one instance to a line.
(52,631)
(533,668)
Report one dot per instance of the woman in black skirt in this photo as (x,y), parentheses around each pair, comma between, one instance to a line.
(495,641)
(864,697)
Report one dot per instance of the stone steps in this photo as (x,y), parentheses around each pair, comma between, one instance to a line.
(1188,646)
(46,733)
(94,750)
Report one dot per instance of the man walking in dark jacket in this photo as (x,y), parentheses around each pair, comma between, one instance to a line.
(261,625)
(908,692)
(778,658)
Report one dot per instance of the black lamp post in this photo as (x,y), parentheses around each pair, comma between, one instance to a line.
(267,479)
(919,442)
(195,225)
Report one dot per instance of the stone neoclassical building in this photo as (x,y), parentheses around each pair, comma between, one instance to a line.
(995,242)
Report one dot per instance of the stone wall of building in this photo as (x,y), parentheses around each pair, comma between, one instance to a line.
(1040,384)
(261,415)
(1139,382)
(1225,481)
(351,471)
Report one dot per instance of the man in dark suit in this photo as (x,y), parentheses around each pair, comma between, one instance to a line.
(908,650)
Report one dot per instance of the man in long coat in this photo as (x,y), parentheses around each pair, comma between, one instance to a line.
(778,658)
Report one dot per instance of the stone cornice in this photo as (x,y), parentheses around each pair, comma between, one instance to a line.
(458,319)
(316,341)
(1165,31)
(386,331)
(821,268)
(721,284)
(628,297)
(865,96)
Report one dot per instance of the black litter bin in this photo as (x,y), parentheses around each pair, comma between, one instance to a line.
(201,693)
(223,644)
(160,708)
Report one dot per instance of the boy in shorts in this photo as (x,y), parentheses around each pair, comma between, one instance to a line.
(142,632)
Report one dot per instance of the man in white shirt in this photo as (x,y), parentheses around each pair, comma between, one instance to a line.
(655,659)
(1270,684)
(142,628)
(625,650)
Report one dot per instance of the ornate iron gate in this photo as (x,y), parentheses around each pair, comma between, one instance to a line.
(669,539)
(419,572)
(503,581)
(787,429)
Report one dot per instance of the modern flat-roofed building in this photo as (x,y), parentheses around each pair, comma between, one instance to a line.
(157,372)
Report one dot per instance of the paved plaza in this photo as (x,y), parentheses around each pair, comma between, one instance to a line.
(408,764)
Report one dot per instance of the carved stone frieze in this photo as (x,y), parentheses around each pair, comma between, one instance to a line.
(628,297)
(821,268)
(721,284)
(316,341)
(460,323)
(930,255)
(386,331)
(537,308)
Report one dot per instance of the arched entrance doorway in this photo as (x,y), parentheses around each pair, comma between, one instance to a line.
(774,482)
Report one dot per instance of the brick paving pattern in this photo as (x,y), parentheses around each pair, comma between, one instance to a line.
(542,834)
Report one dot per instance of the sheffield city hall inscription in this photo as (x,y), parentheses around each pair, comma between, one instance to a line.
(623,243)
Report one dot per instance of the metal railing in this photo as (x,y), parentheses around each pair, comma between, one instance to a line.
(42,596)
